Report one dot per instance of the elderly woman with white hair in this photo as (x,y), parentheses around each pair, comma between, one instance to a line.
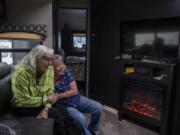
(32,86)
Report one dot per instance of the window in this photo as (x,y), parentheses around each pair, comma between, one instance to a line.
(144,38)
(169,38)
(6,56)
(12,51)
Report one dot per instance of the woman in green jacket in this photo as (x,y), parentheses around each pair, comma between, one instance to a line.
(32,86)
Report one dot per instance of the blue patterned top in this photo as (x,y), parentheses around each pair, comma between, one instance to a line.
(64,85)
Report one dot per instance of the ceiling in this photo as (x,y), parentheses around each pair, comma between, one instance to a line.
(37,1)
(48,0)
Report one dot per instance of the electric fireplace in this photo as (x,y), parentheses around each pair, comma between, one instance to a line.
(145,93)
(142,98)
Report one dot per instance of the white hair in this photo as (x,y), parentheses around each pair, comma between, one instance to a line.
(57,58)
(37,52)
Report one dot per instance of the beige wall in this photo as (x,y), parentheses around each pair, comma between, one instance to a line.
(21,12)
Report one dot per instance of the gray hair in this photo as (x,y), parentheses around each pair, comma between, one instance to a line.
(57,58)
(37,52)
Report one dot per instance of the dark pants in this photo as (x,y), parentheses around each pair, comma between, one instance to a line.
(57,112)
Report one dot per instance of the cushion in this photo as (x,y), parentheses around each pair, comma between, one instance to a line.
(5,69)
(5,93)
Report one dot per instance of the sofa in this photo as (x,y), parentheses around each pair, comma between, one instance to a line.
(20,125)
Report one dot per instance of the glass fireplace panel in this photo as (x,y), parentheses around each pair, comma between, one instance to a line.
(142,100)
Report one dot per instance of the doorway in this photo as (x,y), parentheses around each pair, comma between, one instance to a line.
(71,37)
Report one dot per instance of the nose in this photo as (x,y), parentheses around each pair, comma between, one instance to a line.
(50,62)
(58,67)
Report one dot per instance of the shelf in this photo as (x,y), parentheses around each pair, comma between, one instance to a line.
(143,63)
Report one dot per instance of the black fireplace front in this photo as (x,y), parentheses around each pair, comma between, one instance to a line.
(143,98)
(146,93)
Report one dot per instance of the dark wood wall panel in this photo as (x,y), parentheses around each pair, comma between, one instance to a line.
(105,42)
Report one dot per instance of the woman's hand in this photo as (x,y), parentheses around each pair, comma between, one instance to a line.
(43,114)
(52,98)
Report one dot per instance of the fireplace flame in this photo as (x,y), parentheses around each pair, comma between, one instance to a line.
(142,108)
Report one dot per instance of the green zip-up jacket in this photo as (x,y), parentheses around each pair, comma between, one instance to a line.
(30,92)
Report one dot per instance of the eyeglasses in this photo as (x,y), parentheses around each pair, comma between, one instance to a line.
(46,58)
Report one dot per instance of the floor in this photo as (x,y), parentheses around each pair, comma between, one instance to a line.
(110,125)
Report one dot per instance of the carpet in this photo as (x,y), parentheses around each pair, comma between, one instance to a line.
(110,125)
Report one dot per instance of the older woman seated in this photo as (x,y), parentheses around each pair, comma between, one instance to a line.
(68,96)
(32,86)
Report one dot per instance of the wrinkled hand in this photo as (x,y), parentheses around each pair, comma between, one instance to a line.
(52,98)
(43,114)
